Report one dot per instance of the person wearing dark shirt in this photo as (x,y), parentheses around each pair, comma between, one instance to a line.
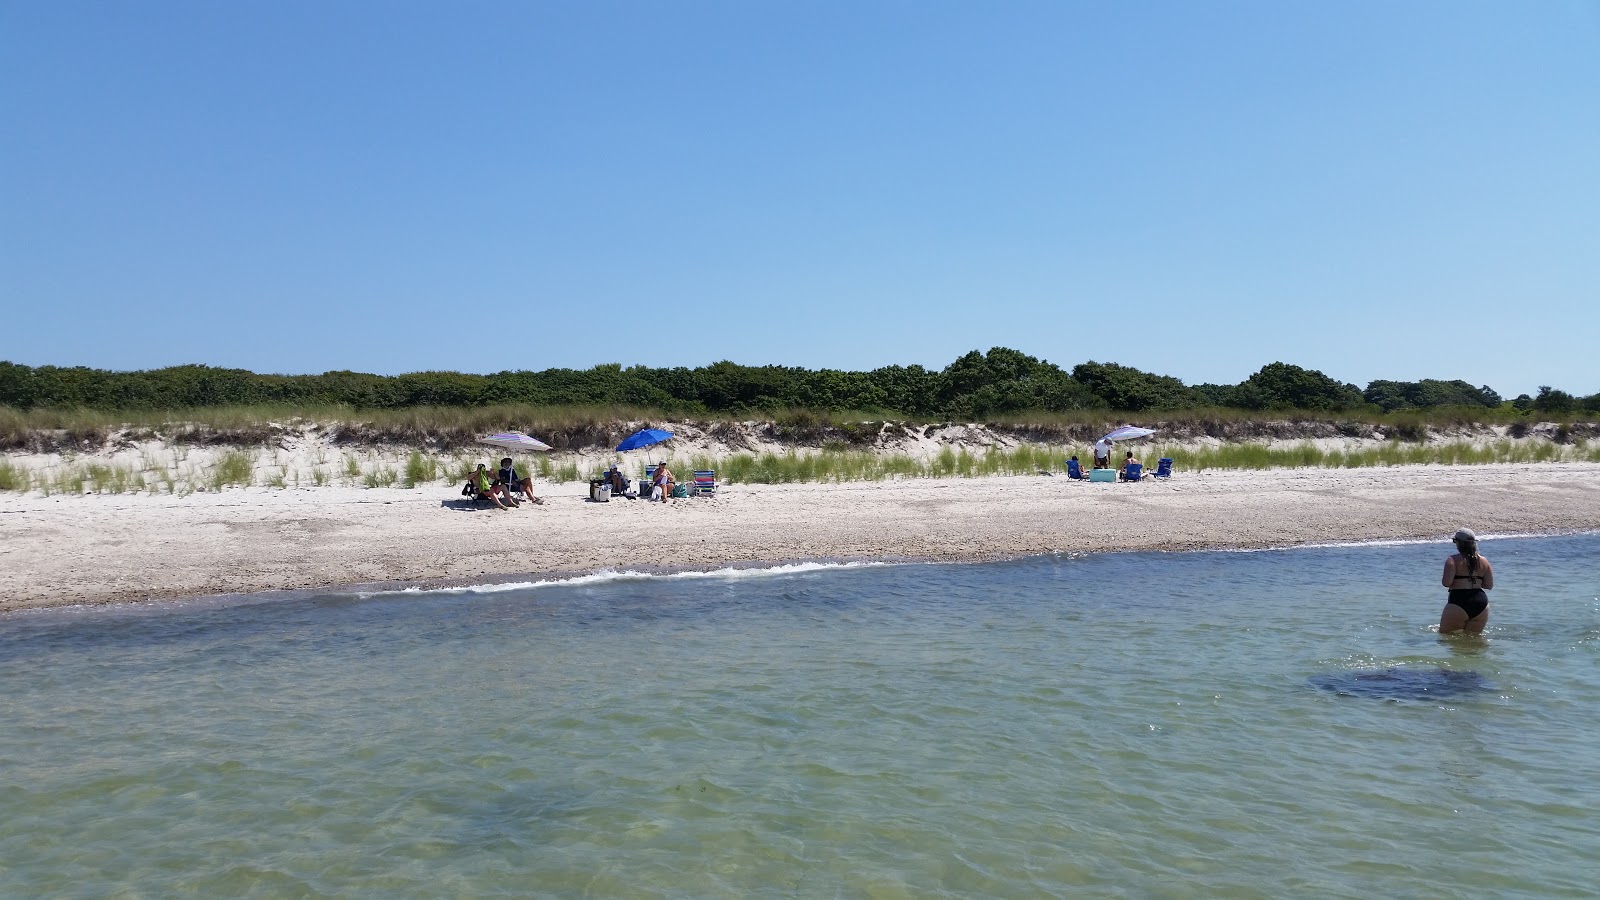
(507,476)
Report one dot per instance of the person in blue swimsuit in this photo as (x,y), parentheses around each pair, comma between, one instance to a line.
(1468,576)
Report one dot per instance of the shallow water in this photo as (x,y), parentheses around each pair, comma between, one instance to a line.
(1203,724)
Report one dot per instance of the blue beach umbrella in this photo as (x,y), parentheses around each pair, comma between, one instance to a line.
(648,437)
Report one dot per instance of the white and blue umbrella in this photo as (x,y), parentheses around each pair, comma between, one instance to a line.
(1128,433)
(514,440)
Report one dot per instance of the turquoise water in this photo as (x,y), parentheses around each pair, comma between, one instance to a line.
(1268,724)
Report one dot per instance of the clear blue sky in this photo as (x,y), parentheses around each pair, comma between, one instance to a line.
(1376,190)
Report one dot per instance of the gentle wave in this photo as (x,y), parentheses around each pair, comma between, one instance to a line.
(605,576)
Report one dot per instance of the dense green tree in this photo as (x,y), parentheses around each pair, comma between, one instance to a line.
(1283,386)
(981,385)
(1213,394)
(1393,395)
(1129,389)
(1551,400)
(976,385)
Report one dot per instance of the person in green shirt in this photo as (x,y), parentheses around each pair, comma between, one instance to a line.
(486,486)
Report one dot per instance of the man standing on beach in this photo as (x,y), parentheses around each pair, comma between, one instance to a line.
(1102,454)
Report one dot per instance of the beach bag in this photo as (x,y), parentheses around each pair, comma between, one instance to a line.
(680,490)
(602,494)
(655,492)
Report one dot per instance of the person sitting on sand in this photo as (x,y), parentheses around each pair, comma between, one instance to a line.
(487,487)
(663,480)
(507,479)
(1467,575)
(1130,461)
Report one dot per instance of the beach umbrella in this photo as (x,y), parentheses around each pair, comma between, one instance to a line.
(1102,447)
(514,440)
(1128,433)
(648,437)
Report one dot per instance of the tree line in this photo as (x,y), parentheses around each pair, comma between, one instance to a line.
(975,386)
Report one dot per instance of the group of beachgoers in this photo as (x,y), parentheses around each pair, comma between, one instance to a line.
(662,483)
(1102,460)
(499,486)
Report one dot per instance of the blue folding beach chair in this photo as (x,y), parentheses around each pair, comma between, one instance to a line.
(1074,470)
(1163,468)
(1134,472)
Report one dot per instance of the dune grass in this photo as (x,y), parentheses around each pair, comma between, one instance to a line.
(834,463)
(1392,453)
(831,465)
(420,469)
(14,478)
(585,426)
(234,467)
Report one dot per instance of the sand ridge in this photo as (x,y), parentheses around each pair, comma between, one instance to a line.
(107,548)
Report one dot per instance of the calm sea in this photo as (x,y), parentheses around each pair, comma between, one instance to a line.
(1267,724)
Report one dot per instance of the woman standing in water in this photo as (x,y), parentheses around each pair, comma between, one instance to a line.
(1468,576)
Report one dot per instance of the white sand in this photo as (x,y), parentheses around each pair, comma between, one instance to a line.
(105,548)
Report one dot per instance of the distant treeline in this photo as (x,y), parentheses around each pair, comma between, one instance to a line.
(976,386)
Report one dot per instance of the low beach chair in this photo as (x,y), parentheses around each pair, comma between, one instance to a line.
(1134,473)
(705,483)
(1163,468)
(1074,470)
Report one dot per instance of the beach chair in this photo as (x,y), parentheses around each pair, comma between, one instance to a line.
(705,484)
(1163,468)
(478,498)
(1074,470)
(1135,472)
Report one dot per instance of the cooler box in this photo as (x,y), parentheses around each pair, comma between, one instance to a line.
(1103,475)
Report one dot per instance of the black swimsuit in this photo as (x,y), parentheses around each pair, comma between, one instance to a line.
(1473,601)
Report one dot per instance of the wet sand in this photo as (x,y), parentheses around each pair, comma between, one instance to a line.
(121,548)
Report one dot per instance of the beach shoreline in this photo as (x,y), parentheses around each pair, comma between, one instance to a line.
(122,548)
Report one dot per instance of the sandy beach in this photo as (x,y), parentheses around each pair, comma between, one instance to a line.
(97,549)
